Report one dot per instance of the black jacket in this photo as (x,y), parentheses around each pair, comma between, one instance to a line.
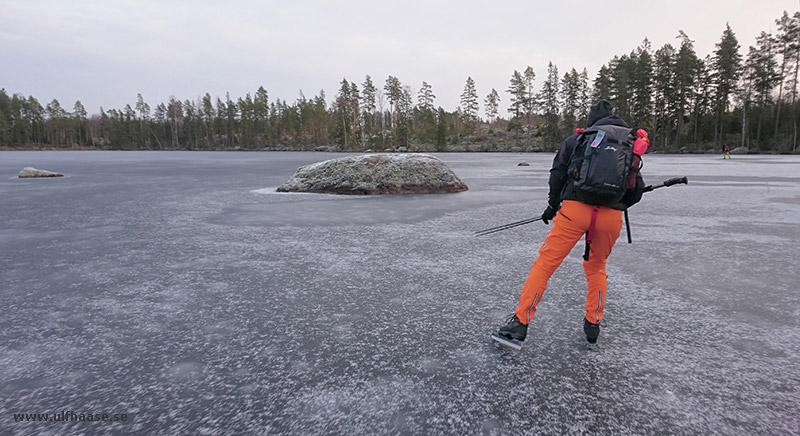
(561,187)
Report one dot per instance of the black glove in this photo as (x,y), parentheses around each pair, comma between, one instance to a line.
(549,214)
(634,195)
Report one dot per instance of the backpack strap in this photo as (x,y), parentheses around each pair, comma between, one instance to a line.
(590,232)
(575,159)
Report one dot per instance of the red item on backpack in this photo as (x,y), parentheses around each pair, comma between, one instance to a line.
(641,143)
(639,148)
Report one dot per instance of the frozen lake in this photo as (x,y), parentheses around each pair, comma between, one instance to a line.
(179,289)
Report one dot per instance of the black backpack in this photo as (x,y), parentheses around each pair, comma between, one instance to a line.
(600,164)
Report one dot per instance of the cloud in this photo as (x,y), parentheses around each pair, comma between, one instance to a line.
(188,48)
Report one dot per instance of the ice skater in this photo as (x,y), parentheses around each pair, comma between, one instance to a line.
(573,217)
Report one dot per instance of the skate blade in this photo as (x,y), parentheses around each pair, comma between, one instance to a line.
(510,343)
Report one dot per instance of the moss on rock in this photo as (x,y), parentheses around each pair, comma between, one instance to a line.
(376,174)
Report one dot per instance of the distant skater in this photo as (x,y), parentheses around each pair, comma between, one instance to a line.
(726,152)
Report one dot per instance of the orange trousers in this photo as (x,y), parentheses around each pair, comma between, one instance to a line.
(569,225)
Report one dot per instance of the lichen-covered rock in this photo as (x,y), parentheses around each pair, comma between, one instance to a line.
(376,174)
(29,172)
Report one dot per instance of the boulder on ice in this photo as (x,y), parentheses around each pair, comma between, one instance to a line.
(376,174)
(29,172)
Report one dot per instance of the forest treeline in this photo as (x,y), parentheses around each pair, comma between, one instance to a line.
(687,103)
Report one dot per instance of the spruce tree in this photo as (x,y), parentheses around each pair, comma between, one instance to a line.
(469,106)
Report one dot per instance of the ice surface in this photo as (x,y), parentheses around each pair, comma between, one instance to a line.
(169,286)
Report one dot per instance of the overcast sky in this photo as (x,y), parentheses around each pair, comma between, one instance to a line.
(105,52)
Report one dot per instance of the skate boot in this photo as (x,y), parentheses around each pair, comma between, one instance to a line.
(511,334)
(592,331)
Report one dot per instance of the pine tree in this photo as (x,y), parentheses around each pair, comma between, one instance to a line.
(394,92)
(746,91)
(641,87)
(702,100)
(144,117)
(787,44)
(491,105)
(765,78)
(585,97)
(209,120)
(354,108)
(726,65)
(247,123)
(55,124)
(518,93)
(160,118)
(79,116)
(190,123)
(664,94)
(686,66)
(570,94)
(368,96)
(548,98)
(405,108)
(441,130)
(261,114)
(175,117)
(342,108)
(622,71)
(316,119)
(603,84)
(793,78)
(426,113)
(531,103)
(229,112)
(425,97)
(5,118)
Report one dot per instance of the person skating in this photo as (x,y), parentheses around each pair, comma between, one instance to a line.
(726,152)
(572,219)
